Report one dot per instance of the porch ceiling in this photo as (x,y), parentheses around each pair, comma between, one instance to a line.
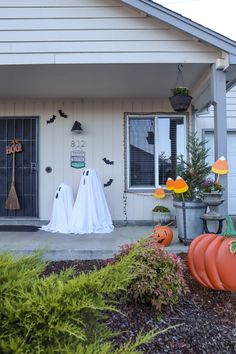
(94,81)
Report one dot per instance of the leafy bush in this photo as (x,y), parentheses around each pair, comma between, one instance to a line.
(64,313)
(157,274)
(161,209)
(59,313)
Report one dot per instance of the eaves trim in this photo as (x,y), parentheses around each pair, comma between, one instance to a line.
(184,24)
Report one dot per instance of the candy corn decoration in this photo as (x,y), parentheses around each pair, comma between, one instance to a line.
(220,166)
(159,193)
(180,186)
(170,184)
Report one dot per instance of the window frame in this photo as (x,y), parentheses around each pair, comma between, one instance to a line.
(155,116)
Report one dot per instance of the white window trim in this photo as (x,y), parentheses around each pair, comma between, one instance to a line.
(155,116)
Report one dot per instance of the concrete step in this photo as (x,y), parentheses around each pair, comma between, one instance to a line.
(69,246)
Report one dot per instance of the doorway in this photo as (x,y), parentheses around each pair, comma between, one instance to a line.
(25,130)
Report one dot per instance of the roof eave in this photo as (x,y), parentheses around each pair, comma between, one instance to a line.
(232,59)
(184,24)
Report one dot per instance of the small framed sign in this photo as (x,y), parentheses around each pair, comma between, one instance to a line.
(77,159)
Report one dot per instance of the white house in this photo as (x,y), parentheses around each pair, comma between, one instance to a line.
(205,127)
(110,65)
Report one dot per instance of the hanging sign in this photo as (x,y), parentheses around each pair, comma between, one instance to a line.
(14,146)
(77,159)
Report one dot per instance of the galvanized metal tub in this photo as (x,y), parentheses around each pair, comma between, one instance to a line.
(188,220)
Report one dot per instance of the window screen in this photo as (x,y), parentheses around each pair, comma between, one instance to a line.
(141,152)
(170,147)
(150,135)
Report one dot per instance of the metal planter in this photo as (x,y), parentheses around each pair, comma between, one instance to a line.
(180,103)
(188,220)
(161,218)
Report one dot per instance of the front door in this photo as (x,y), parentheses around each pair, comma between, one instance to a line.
(25,130)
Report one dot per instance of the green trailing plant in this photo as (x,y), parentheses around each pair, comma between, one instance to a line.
(195,169)
(157,275)
(161,209)
(180,90)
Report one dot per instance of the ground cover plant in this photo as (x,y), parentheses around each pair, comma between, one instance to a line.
(205,318)
(61,312)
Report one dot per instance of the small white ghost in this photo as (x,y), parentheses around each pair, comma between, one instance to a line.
(62,209)
(90,213)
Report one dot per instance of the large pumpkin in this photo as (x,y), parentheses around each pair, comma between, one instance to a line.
(162,234)
(212,259)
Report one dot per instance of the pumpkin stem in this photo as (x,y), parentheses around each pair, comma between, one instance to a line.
(230,230)
(232,246)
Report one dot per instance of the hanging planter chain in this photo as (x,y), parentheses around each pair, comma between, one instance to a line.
(180,78)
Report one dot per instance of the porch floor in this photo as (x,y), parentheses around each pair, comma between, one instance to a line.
(69,246)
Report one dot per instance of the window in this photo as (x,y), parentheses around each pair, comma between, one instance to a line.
(155,144)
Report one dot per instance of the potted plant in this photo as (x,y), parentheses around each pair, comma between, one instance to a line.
(180,99)
(211,187)
(188,205)
(211,193)
(161,214)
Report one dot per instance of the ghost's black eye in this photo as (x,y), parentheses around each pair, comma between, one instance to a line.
(56,195)
(59,188)
(87,173)
(83,173)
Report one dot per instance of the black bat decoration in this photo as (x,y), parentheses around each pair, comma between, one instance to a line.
(51,120)
(108,183)
(62,114)
(108,162)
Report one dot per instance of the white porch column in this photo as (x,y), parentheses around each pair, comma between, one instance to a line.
(218,94)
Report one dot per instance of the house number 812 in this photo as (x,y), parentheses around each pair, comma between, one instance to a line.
(77,144)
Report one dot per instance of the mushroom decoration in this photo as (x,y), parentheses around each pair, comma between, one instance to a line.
(180,186)
(220,166)
(170,184)
(159,193)
(212,259)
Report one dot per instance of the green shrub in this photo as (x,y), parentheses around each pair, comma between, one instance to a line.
(64,313)
(61,313)
(161,209)
(157,274)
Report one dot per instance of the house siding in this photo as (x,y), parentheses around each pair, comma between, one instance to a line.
(103,125)
(205,125)
(95,31)
(206,120)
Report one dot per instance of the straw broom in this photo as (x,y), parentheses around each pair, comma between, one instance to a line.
(12,202)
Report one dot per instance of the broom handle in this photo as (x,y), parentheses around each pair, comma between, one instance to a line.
(13,169)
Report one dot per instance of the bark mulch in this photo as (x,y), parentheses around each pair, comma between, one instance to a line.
(206,318)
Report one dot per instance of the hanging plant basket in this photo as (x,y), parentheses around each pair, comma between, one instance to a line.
(180,102)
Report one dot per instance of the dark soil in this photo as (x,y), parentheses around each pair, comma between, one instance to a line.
(206,318)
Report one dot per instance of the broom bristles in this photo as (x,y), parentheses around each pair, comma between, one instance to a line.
(12,201)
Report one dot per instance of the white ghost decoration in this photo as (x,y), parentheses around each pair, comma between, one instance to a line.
(62,209)
(90,213)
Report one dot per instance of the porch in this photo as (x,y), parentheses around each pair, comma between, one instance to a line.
(123,60)
(69,246)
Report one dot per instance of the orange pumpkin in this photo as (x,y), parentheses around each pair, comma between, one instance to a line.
(162,234)
(212,261)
